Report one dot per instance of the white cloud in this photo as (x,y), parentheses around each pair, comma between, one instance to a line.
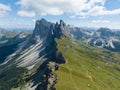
(26,13)
(100,21)
(4,9)
(100,10)
(82,8)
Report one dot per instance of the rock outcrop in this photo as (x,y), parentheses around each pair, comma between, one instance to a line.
(50,78)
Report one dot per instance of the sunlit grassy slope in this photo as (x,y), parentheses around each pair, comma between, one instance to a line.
(87,68)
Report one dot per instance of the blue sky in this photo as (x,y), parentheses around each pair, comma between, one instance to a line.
(90,13)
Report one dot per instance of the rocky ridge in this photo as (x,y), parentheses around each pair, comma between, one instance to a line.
(101,38)
(39,53)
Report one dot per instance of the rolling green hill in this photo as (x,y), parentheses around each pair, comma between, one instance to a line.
(87,68)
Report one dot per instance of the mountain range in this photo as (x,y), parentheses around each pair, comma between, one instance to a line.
(101,38)
(57,56)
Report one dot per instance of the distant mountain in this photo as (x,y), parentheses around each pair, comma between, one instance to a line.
(79,33)
(102,38)
(105,38)
(9,45)
(5,34)
(2,32)
(104,32)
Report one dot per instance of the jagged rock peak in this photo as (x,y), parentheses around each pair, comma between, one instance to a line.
(59,29)
(42,28)
(62,23)
(42,21)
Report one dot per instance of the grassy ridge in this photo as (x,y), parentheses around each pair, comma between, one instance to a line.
(87,68)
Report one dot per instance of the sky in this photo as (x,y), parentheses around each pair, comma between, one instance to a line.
(82,13)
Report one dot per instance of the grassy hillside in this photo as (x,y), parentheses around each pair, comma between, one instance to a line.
(87,68)
(11,77)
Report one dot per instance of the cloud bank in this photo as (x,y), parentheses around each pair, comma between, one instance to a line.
(73,8)
(100,21)
(4,9)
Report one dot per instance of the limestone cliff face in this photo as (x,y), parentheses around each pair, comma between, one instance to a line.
(46,32)
(44,35)
(37,52)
